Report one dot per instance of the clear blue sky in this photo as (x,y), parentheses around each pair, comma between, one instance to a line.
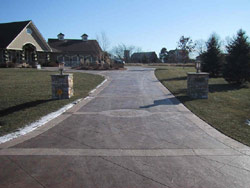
(149,24)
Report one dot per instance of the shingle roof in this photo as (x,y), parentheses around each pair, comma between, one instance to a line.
(140,55)
(9,31)
(89,47)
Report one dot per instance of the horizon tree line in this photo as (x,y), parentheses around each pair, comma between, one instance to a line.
(233,65)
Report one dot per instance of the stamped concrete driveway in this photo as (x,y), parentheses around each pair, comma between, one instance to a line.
(131,132)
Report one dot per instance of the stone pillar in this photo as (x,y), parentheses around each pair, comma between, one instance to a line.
(62,86)
(197,85)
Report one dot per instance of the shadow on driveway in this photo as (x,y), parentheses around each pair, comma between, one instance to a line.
(169,101)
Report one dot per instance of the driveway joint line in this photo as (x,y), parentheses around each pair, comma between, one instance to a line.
(19,166)
(126,168)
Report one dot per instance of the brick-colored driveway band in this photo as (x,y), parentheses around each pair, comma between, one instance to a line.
(131,132)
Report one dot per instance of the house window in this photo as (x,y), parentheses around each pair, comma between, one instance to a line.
(60,59)
(29,31)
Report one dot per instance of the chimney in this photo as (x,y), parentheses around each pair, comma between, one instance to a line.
(60,36)
(84,37)
(126,56)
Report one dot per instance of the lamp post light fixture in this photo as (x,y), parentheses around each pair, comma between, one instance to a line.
(6,56)
(198,66)
(61,67)
(48,57)
(35,57)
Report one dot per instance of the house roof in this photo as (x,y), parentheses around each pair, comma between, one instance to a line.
(89,47)
(9,31)
(60,34)
(176,51)
(140,55)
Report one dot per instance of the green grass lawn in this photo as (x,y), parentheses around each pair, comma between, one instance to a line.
(25,95)
(226,108)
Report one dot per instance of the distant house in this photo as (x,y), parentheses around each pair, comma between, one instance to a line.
(177,56)
(74,51)
(144,57)
(21,42)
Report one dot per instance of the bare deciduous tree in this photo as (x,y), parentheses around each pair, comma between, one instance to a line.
(200,46)
(103,41)
(118,50)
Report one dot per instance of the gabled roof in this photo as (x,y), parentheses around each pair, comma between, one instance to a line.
(89,47)
(9,31)
(140,55)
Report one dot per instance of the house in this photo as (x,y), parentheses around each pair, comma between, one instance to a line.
(177,56)
(144,57)
(22,43)
(73,52)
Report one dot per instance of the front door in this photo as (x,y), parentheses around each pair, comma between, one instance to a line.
(29,51)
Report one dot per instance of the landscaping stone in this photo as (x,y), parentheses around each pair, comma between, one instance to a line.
(197,85)
(62,86)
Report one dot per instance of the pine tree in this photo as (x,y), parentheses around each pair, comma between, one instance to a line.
(211,60)
(237,67)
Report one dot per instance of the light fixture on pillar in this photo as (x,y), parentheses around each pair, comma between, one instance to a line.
(61,68)
(35,57)
(198,66)
(23,56)
(6,56)
(48,57)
